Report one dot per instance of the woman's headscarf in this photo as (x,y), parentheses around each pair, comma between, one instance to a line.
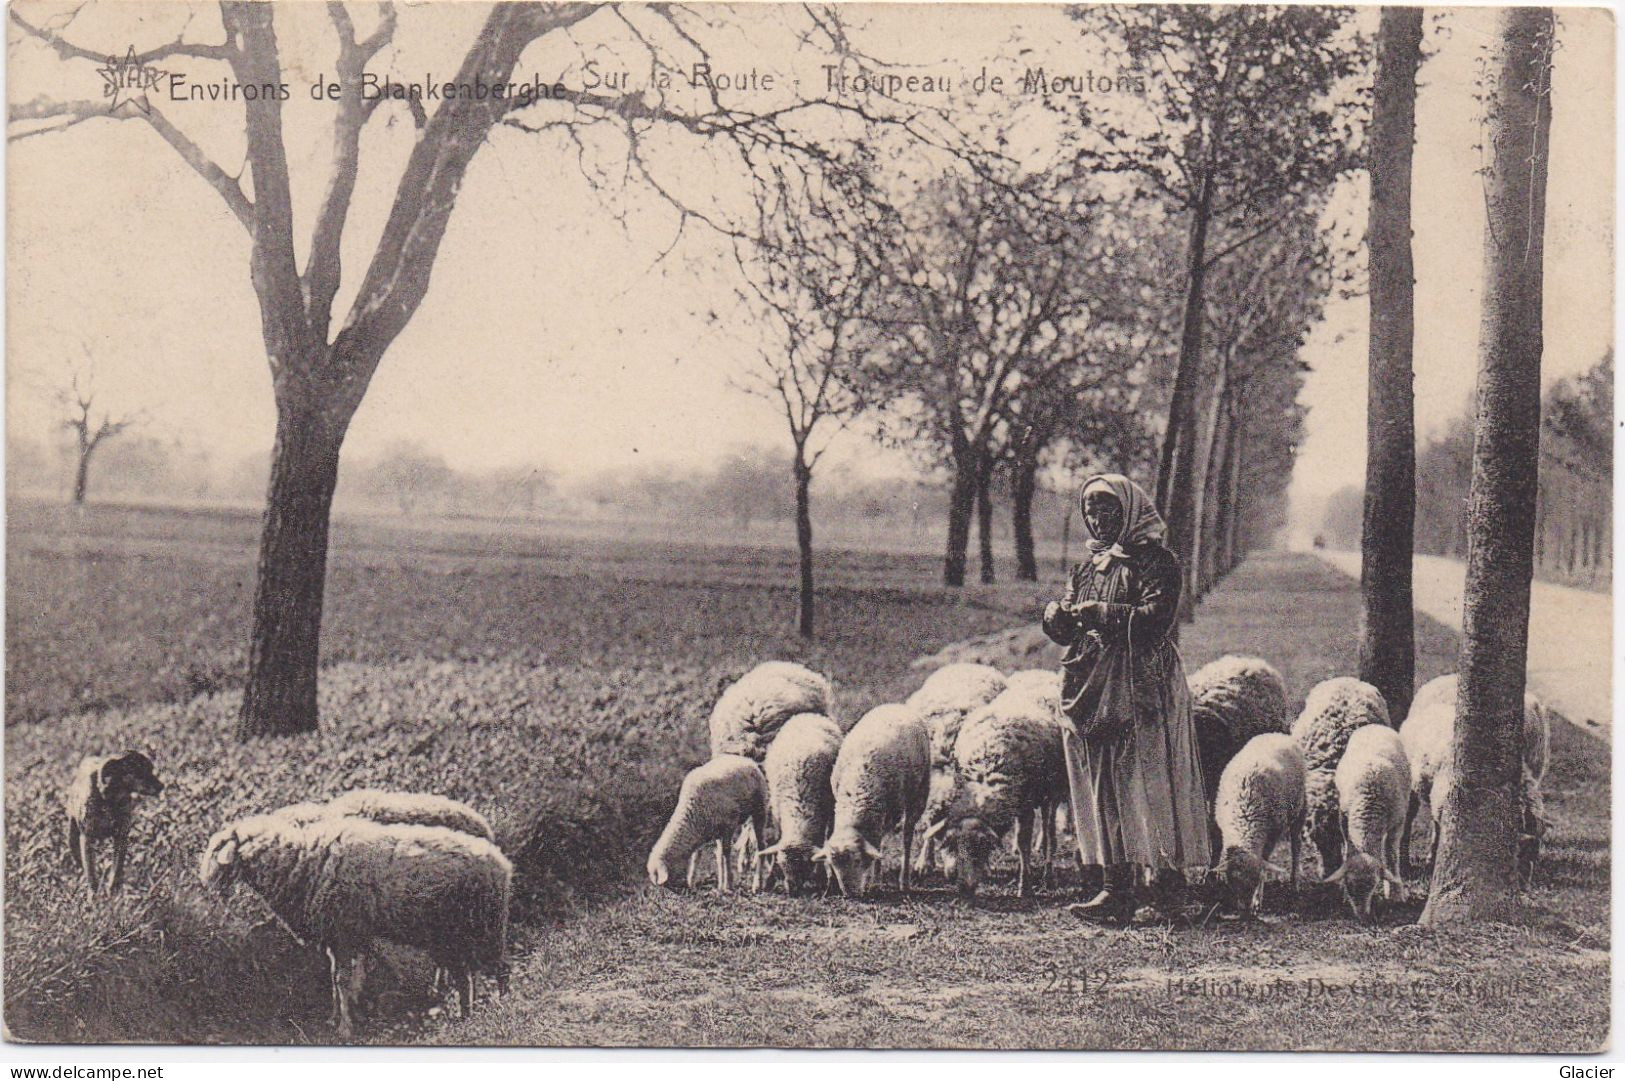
(1141,522)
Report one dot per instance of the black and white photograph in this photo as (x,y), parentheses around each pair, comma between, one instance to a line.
(810,526)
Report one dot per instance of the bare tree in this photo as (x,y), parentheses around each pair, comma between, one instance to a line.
(985,279)
(1387,633)
(1476,876)
(90,429)
(815,268)
(321,366)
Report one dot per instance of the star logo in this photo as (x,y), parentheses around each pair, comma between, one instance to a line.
(128,80)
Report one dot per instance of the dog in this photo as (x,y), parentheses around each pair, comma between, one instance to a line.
(99,806)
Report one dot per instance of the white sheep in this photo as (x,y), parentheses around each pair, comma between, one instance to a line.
(1043,682)
(1331,713)
(1373,791)
(1233,699)
(880,781)
(800,801)
(1045,685)
(944,700)
(1429,736)
(394,808)
(1009,763)
(756,706)
(341,882)
(1532,823)
(1429,729)
(717,802)
(1261,802)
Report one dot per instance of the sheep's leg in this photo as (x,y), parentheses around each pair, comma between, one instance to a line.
(358,979)
(339,1015)
(1296,845)
(694,869)
(463,977)
(908,843)
(922,862)
(724,868)
(1411,808)
(73,843)
(1024,845)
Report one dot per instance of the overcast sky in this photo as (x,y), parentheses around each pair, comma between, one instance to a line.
(553,333)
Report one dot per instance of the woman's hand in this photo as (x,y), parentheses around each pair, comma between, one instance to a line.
(1087,614)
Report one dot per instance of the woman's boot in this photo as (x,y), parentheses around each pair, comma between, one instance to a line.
(1115,903)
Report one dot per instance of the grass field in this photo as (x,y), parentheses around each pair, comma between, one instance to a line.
(561,685)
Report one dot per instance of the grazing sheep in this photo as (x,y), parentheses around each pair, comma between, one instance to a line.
(880,780)
(1009,762)
(1532,822)
(394,808)
(1233,699)
(341,882)
(99,805)
(1331,713)
(1429,737)
(1043,682)
(800,800)
(716,801)
(1431,728)
(1260,803)
(756,706)
(1323,819)
(949,695)
(1374,791)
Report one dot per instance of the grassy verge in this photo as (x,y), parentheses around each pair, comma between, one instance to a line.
(566,706)
(564,693)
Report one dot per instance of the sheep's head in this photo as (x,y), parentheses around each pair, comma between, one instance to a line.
(1242,872)
(219,867)
(1360,876)
(967,844)
(659,870)
(850,857)
(792,862)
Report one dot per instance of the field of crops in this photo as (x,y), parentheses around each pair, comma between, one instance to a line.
(561,686)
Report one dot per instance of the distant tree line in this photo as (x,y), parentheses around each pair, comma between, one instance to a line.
(1574,509)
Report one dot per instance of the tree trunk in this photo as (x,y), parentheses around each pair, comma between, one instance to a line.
(1475,877)
(1207,539)
(1387,638)
(804,540)
(961,504)
(285,643)
(1229,507)
(984,514)
(81,476)
(1023,486)
(1176,476)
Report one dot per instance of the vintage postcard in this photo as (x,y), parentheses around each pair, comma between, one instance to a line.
(809,526)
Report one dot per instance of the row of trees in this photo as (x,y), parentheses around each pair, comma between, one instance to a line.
(1150,286)
(1574,505)
(1573,509)
(1475,876)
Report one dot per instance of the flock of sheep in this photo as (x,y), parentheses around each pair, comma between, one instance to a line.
(974,756)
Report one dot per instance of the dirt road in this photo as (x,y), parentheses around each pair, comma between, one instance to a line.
(1571,635)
